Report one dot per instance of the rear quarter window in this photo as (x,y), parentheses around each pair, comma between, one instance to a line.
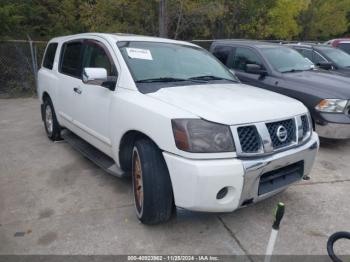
(50,55)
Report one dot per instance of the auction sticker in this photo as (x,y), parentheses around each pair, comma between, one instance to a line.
(139,53)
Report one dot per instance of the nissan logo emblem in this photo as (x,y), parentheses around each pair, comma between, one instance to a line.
(282,133)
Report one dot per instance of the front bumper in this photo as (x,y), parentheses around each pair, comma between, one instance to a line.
(333,130)
(332,125)
(196,183)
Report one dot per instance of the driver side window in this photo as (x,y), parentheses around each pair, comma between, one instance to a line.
(96,56)
(244,56)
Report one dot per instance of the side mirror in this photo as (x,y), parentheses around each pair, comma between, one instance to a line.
(255,69)
(325,65)
(94,76)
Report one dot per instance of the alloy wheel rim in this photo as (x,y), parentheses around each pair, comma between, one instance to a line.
(48,119)
(138,182)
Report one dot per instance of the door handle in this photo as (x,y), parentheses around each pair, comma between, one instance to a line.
(77,90)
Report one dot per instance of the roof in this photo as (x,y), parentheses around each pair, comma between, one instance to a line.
(341,39)
(251,43)
(310,45)
(121,37)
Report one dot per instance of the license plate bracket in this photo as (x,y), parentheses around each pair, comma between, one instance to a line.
(281,177)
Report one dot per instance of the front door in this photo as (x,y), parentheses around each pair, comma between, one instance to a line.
(238,60)
(95,102)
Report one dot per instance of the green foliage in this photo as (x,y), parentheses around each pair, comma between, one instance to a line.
(246,18)
(282,20)
(194,19)
(137,16)
(187,19)
(326,19)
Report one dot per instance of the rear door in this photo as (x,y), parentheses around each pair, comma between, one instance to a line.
(70,80)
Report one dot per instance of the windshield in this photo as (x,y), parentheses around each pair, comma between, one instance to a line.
(284,59)
(337,56)
(168,62)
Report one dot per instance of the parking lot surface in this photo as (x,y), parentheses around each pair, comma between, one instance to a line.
(54,201)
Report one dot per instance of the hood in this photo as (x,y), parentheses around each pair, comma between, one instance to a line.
(324,83)
(342,71)
(230,104)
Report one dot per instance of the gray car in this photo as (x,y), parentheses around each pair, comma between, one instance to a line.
(325,56)
(283,70)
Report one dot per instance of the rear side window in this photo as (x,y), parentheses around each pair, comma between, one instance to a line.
(345,47)
(71,59)
(222,53)
(50,55)
(307,53)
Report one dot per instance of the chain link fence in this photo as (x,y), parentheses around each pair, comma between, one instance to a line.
(19,60)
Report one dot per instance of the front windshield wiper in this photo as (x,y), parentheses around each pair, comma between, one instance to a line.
(160,79)
(295,70)
(168,79)
(211,77)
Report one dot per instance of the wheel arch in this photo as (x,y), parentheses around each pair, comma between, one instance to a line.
(45,96)
(126,146)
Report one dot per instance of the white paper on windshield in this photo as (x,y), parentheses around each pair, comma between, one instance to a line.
(139,53)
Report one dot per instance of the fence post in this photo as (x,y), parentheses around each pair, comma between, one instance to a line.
(34,61)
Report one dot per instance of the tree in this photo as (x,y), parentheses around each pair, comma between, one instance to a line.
(137,16)
(325,19)
(193,19)
(163,18)
(187,19)
(282,19)
(246,18)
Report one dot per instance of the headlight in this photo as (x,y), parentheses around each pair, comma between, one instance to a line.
(332,105)
(200,136)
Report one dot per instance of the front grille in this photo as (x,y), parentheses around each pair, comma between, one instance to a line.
(273,129)
(249,139)
(305,124)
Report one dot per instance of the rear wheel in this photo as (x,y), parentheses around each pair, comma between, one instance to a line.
(153,195)
(52,128)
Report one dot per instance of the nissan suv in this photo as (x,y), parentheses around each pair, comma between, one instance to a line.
(171,116)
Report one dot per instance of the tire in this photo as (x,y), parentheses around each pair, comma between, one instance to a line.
(52,127)
(153,194)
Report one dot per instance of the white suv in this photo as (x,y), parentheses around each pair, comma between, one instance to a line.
(175,119)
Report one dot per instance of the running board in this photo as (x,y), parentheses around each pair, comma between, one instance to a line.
(93,154)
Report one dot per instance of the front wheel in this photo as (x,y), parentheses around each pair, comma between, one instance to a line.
(153,195)
(52,127)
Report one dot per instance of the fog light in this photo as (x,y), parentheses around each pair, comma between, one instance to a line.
(222,193)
